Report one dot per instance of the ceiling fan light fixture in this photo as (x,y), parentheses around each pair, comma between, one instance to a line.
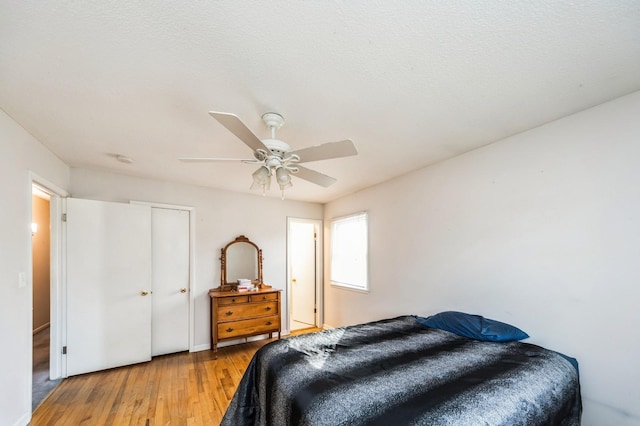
(260,175)
(283,176)
(261,179)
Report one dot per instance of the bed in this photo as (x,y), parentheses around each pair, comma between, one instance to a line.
(399,371)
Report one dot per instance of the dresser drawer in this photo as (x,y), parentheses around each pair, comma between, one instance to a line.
(235,315)
(248,327)
(264,297)
(248,310)
(232,300)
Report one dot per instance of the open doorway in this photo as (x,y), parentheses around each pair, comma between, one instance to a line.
(41,295)
(45,287)
(304,266)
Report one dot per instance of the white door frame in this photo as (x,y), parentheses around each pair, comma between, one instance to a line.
(57,331)
(319,269)
(192,266)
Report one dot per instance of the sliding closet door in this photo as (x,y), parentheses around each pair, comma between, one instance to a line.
(170,301)
(108,285)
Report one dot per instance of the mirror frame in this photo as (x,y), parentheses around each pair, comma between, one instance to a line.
(224,285)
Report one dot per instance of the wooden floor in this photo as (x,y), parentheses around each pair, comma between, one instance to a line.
(179,389)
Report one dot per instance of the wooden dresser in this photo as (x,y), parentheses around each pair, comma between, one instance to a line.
(236,315)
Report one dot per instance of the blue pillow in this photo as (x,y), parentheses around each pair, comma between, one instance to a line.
(473,327)
(571,360)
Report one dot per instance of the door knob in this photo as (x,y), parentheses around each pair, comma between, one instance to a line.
(183,290)
(144,293)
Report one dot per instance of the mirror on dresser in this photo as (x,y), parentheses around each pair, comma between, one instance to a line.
(240,259)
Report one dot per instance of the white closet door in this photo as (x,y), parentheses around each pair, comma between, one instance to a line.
(170,309)
(108,272)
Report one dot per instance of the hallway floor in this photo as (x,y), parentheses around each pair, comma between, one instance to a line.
(297,325)
(42,386)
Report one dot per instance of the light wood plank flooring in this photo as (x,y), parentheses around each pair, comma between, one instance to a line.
(179,389)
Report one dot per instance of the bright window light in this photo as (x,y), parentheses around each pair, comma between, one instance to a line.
(349,252)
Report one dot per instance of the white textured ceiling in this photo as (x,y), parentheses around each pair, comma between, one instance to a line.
(411,82)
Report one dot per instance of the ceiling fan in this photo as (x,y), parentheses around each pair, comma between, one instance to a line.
(276,157)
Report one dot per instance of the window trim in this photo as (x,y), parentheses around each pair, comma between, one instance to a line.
(346,285)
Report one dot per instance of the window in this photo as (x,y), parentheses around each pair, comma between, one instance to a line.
(349,251)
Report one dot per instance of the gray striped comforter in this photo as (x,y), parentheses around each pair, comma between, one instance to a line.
(397,372)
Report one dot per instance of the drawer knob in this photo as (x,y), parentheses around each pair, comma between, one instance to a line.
(264,297)
(228,313)
(269,323)
(268,308)
(229,330)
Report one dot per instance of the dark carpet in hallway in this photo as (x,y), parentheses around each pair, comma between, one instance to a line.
(42,385)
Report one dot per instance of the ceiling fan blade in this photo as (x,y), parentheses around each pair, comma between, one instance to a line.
(233,123)
(211,159)
(314,177)
(326,151)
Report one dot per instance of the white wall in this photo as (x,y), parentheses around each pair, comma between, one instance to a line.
(541,230)
(220,217)
(20,153)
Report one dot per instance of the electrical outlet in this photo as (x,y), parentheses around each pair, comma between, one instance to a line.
(22,279)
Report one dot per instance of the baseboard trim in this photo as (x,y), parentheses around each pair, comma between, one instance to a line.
(24,420)
(198,348)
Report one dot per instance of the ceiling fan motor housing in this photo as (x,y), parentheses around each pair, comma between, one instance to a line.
(277,146)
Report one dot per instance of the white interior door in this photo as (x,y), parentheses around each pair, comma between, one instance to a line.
(170,299)
(108,273)
(302,272)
